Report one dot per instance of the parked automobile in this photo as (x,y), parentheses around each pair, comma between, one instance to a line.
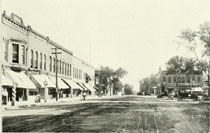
(162,95)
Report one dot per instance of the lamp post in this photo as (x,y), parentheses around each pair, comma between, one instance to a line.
(56,71)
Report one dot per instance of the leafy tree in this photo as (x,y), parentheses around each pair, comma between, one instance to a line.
(128,89)
(111,78)
(196,40)
(176,65)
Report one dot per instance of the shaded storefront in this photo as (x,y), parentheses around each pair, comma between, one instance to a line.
(23,86)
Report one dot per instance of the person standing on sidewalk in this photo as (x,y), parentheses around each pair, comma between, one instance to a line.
(84,95)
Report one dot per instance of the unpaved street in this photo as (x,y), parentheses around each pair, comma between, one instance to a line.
(122,114)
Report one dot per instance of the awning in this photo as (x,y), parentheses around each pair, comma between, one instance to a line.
(61,83)
(72,84)
(82,86)
(42,80)
(21,79)
(89,87)
(197,89)
(6,81)
(96,88)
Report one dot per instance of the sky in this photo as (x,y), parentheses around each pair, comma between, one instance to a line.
(137,35)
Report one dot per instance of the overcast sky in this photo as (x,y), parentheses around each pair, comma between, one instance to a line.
(137,35)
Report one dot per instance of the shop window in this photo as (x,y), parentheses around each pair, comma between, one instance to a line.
(15,53)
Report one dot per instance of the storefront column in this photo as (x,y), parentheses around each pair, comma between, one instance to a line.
(27,94)
(13,94)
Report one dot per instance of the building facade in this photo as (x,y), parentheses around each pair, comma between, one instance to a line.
(185,82)
(30,65)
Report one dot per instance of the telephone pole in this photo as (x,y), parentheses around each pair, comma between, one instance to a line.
(56,69)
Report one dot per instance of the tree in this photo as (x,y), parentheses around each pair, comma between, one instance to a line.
(199,39)
(128,89)
(176,65)
(111,78)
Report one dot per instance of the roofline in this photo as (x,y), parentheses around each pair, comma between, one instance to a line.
(84,62)
(29,29)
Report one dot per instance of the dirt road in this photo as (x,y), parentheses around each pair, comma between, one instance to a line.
(124,114)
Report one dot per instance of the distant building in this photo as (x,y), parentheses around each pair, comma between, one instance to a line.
(168,81)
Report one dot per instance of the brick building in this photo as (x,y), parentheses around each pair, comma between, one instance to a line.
(29,67)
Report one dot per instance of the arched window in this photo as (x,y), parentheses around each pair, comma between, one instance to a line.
(53,64)
(65,68)
(50,64)
(45,62)
(60,66)
(41,61)
(70,69)
(57,66)
(32,58)
(36,61)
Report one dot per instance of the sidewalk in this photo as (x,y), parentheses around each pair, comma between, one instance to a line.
(25,104)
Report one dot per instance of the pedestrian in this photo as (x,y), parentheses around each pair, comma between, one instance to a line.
(84,95)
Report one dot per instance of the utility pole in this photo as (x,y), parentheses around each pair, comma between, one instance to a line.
(56,70)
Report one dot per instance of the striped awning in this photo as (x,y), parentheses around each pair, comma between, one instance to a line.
(20,79)
(43,80)
(61,84)
(72,84)
(6,81)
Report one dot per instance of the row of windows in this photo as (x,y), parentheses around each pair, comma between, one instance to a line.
(38,61)
(62,67)
(77,73)
(180,79)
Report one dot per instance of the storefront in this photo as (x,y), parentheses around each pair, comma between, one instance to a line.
(22,86)
(46,88)
(74,89)
(62,87)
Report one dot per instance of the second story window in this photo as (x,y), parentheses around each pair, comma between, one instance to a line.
(53,64)
(23,55)
(50,64)
(70,69)
(60,67)
(41,61)
(6,51)
(36,60)
(169,79)
(174,79)
(198,79)
(45,62)
(15,53)
(164,79)
(32,59)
